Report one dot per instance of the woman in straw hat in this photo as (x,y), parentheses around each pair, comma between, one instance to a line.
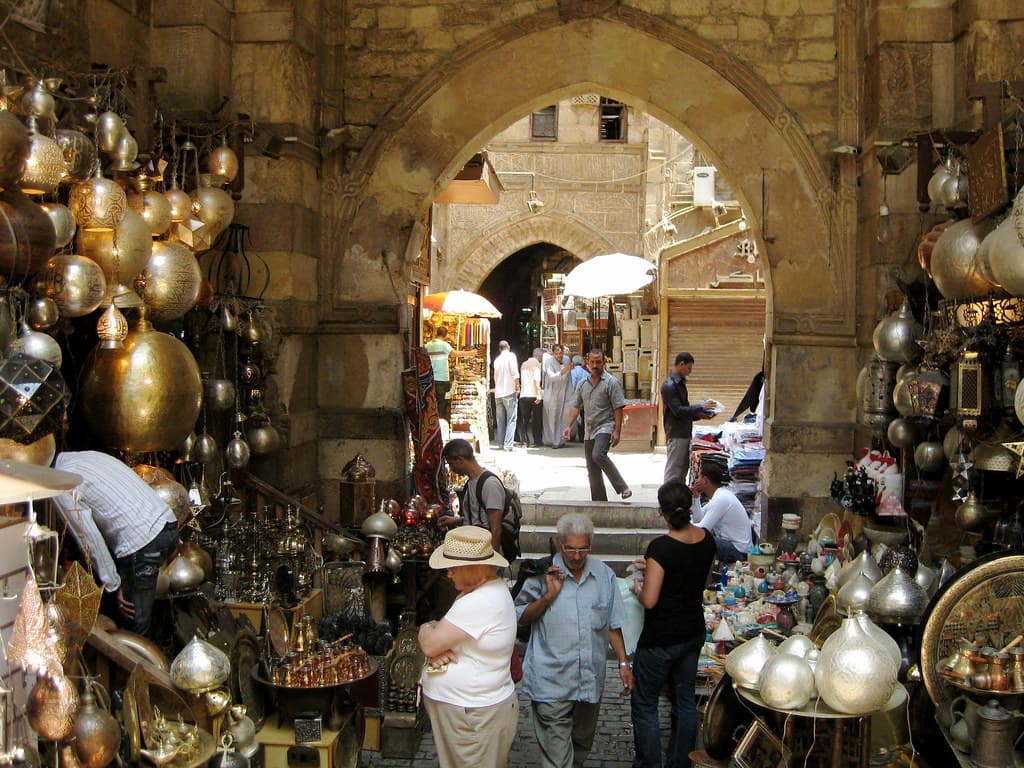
(467,686)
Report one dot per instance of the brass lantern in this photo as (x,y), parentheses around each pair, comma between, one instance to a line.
(967,389)
(875,393)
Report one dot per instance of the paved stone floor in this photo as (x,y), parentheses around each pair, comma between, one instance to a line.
(613,744)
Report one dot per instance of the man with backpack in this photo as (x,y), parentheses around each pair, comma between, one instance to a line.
(485,501)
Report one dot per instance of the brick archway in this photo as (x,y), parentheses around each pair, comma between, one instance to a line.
(489,251)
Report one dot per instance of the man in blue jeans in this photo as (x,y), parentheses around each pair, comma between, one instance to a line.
(123,527)
(601,399)
(505,369)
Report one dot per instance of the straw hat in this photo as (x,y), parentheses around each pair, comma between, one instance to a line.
(466,545)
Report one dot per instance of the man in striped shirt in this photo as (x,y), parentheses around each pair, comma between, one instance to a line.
(123,528)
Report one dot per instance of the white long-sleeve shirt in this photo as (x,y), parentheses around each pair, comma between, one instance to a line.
(112,513)
(725,517)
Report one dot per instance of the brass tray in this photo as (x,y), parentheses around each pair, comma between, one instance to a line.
(277,630)
(985,600)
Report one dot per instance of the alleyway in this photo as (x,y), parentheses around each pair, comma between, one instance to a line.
(557,477)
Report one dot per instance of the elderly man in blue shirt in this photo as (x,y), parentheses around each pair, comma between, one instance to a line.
(575,611)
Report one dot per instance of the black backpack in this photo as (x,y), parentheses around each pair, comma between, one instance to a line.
(511,516)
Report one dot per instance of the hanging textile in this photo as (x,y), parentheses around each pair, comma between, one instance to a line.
(429,479)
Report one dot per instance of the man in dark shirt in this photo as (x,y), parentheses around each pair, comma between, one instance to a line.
(679,418)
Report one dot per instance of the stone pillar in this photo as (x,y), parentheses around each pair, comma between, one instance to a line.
(192,40)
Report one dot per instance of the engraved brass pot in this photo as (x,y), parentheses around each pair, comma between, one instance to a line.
(51,707)
(76,283)
(97,735)
(134,247)
(145,397)
(173,280)
(200,667)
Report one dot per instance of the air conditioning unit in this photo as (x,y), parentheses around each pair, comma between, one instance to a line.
(704,185)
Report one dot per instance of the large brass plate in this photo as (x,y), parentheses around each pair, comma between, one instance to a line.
(984,602)
(245,662)
(277,630)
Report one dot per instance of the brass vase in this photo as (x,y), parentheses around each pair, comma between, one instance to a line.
(145,397)
(97,735)
(51,707)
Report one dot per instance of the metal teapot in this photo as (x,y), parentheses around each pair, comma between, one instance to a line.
(994,738)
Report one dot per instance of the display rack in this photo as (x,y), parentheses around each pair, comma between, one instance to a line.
(468,394)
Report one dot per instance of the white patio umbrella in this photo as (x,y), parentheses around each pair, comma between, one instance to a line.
(613,274)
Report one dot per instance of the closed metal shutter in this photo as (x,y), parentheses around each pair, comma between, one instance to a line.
(725,337)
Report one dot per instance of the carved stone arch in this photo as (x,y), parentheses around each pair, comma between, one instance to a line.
(687,81)
(490,250)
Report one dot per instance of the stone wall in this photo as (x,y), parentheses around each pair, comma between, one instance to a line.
(383,103)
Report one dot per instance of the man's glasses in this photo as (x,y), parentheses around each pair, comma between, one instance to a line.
(576,550)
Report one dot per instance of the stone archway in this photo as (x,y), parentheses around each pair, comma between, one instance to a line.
(372,209)
(489,251)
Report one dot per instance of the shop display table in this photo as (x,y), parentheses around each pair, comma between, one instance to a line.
(335,748)
(817,735)
(311,605)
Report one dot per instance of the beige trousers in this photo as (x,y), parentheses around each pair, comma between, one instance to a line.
(473,736)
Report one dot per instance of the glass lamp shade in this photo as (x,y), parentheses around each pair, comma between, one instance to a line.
(33,397)
(98,203)
(45,167)
(110,129)
(223,162)
(121,252)
(125,153)
(154,208)
(43,553)
(112,328)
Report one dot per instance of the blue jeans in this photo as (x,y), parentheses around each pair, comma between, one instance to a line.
(138,575)
(505,410)
(652,668)
(598,461)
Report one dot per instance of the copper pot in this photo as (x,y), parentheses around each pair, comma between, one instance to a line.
(51,707)
(97,735)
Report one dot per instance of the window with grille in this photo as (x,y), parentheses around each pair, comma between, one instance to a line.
(544,124)
(613,120)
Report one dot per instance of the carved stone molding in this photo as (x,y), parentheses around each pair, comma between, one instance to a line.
(351,318)
(801,329)
(581,9)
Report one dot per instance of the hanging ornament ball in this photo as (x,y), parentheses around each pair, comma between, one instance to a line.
(951,443)
(953,264)
(205,449)
(97,203)
(901,433)
(213,206)
(223,162)
(145,397)
(236,454)
(172,280)
(40,453)
(43,313)
(928,456)
(181,204)
(110,129)
(41,346)
(134,247)
(895,337)
(14,149)
(74,282)
(937,181)
(1005,258)
(264,440)
(30,238)
(79,153)
(63,222)
(154,208)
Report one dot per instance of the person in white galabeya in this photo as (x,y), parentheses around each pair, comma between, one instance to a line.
(505,369)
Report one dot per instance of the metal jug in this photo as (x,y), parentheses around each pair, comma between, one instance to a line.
(994,738)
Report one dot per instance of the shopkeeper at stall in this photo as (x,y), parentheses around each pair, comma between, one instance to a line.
(722,514)
(123,527)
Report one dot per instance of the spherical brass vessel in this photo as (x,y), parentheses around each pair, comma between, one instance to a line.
(154,208)
(215,208)
(30,239)
(76,283)
(51,707)
(173,280)
(200,667)
(145,397)
(63,222)
(79,153)
(953,264)
(98,203)
(97,735)
(40,453)
(14,149)
(134,247)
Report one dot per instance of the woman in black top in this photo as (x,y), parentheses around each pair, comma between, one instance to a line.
(678,567)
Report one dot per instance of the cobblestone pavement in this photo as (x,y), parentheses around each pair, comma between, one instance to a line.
(613,743)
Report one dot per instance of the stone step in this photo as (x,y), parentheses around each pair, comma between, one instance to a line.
(604,514)
(623,542)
